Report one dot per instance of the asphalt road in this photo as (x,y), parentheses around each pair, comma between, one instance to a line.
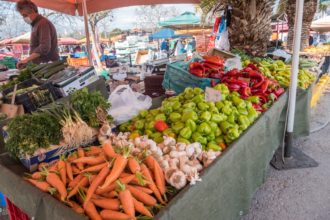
(299,194)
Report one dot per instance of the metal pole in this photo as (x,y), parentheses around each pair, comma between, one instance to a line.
(294,77)
(88,41)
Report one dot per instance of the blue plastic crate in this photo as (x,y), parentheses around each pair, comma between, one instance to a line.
(2,200)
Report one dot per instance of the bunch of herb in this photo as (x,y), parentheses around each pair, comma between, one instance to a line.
(29,132)
(86,104)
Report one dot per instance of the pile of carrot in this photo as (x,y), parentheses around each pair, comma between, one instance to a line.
(103,183)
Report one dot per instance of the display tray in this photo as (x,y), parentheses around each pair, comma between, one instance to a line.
(225,191)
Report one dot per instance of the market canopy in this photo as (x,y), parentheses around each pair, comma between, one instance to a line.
(67,41)
(102,40)
(163,34)
(187,18)
(73,6)
(321,25)
(5,41)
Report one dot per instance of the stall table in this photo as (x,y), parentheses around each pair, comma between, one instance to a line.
(225,191)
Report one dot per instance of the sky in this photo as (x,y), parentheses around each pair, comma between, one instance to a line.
(124,18)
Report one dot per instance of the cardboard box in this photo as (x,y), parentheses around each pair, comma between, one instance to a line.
(220,53)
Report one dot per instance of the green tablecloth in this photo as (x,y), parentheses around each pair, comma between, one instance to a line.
(225,191)
(302,113)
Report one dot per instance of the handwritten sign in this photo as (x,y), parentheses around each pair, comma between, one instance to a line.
(212,95)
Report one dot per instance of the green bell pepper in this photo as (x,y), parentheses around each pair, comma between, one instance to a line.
(188,95)
(124,127)
(219,105)
(242,111)
(238,102)
(225,126)
(206,116)
(204,128)
(213,125)
(183,140)
(226,110)
(214,110)
(139,124)
(243,121)
(253,115)
(176,105)
(198,99)
(217,118)
(143,113)
(148,132)
(160,117)
(189,115)
(213,146)
(211,104)
(233,133)
(197,137)
(155,112)
(190,105)
(174,117)
(210,137)
(186,133)
(203,106)
(177,127)
(198,91)
(217,132)
(231,119)
(150,125)
(191,124)
(254,99)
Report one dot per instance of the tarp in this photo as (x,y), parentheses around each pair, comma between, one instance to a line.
(73,6)
(67,41)
(163,34)
(321,25)
(187,18)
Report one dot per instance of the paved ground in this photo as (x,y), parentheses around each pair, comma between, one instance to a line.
(300,194)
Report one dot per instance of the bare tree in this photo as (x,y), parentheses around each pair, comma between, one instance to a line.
(148,16)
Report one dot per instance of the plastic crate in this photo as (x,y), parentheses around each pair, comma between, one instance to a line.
(14,212)
(83,61)
(29,100)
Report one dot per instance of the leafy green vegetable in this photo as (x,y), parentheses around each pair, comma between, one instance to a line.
(86,103)
(29,132)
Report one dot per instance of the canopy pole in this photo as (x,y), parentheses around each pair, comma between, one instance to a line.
(294,76)
(88,42)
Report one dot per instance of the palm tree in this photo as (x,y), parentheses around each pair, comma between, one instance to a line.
(310,7)
(250,27)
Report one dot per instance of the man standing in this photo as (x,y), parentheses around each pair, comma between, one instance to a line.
(43,42)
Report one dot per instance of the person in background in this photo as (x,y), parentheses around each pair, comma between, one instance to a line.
(164,47)
(193,44)
(179,47)
(311,40)
(43,43)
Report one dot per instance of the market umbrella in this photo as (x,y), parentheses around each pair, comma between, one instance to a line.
(73,7)
(67,41)
(22,39)
(321,25)
(163,34)
(185,19)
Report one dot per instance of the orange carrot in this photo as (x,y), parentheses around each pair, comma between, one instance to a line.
(142,196)
(96,182)
(113,186)
(151,184)
(69,171)
(95,168)
(36,175)
(42,166)
(112,204)
(108,150)
(126,199)
(75,170)
(43,186)
(55,181)
(82,183)
(89,160)
(72,157)
(76,207)
(133,165)
(118,167)
(91,211)
(114,215)
(112,194)
(75,181)
(139,207)
(61,168)
(124,175)
(158,173)
(93,151)
(81,153)
(53,168)
(143,189)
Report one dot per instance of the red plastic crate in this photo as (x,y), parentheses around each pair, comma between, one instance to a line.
(14,212)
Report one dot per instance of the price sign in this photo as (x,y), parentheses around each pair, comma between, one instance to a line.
(212,95)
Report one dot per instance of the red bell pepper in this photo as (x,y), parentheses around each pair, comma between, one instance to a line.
(252,66)
(160,126)
(264,86)
(233,72)
(197,69)
(213,59)
(279,92)
(258,107)
(245,91)
(212,65)
(263,97)
(233,87)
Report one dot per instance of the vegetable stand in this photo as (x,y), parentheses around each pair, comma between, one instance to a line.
(226,188)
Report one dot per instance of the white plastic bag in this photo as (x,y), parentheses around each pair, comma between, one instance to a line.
(233,63)
(126,104)
(224,41)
